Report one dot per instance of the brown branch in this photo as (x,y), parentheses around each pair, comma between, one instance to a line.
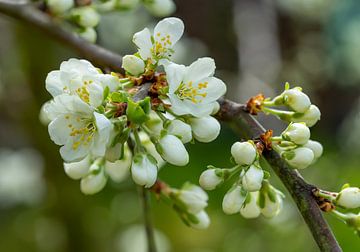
(231,112)
(43,22)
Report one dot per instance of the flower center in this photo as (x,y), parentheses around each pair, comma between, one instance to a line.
(162,45)
(187,91)
(83,135)
(83,92)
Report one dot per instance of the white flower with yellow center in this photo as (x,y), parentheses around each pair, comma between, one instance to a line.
(193,90)
(159,45)
(79,129)
(81,78)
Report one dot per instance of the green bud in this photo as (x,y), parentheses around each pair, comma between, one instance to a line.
(137,112)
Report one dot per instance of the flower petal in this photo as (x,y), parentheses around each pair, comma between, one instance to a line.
(200,69)
(214,90)
(174,74)
(58,129)
(53,83)
(142,40)
(96,94)
(172,27)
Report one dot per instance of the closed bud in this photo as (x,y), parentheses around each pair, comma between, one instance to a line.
(86,16)
(296,100)
(59,6)
(209,179)
(154,124)
(173,150)
(180,129)
(203,220)
(127,4)
(93,183)
(233,200)
(251,209)
(144,170)
(252,179)
(78,170)
(272,206)
(297,133)
(194,197)
(119,169)
(349,197)
(316,147)
(151,149)
(160,8)
(216,108)
(133,65)
(244,153)
(205,129)
(299,158)
(89,34)
(310,116)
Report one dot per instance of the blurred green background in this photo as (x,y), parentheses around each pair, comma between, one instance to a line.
(257,45)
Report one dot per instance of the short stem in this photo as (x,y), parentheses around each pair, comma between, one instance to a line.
(149,228)
(341,216)
(276,112)
(276,138)
(326,195)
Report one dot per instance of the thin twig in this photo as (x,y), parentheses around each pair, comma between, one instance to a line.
(231,112)
(149,228)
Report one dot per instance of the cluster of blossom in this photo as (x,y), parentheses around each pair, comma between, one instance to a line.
(109,125)
(298,103)
(251,193)
(83,15)
(347,198)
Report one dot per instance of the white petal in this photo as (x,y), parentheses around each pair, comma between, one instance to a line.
(53,83)
(200,69)
(96,94)
(174,75)
(108,80)
(119,169)
(93,183)
(142,40)
(143,171)
(174,150)
(102,136)
(214,90)
(59,130)
(77,170)
(70,155)
(172,27)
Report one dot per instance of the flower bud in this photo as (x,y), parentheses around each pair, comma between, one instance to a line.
(251,209)
(144,170)
(86,16)
(252,180)
(127,4)
(194,197)
(151,149)
(205,129)
(59,6)
(297,133)
(209,180)
(180,129)
(233,200)
(272,207)
(93,183)
(160,8)
(296,100)
(154,124)
(244,153)
(77,170)
(299,158)
(316,147)
(133,65)
(119,169)
(173,150)
(89,34)
(349,197)
(203,220)
(310,117)
(216,108)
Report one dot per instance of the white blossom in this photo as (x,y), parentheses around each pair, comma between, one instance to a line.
(180,129)
(209,180)
(78,129)
(252,179)
(251,209)
(296,99)
(160,8)
(78,170)
(297,133)
(244,153)
(310,117)
(316,147)
(133,65)
(349,197)
(203,220)
(299,158)
(205,129)
(119,169)
(193,89)
(173,150)
(233,200)
(59,6)
(194,197)
(159,46)
(144,169)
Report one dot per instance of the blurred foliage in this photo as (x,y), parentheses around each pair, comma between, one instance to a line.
(319,45)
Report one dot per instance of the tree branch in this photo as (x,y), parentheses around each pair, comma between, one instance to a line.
(149,228)
(231,112)
(43,22)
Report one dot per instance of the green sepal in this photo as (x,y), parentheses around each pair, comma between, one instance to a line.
(137,112)
(347,185)
(118,97)
(106,93)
